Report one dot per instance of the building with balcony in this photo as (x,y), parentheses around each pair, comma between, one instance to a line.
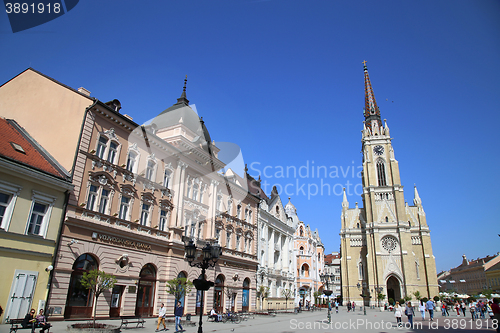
(332,269)
(139,192)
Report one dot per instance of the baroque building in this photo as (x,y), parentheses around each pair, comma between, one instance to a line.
(310,259)
(276,269)
(386,246)
(139,193)
(332,268)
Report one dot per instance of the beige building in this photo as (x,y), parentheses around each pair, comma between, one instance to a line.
(385,244)
(332,269)
(33,192)
(139,192)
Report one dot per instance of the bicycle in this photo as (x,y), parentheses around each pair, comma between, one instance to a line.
(231,316)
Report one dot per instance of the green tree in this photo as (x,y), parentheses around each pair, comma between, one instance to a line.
(435,298)
(179,287)
(97,282)
(316,295)
(380,297)
(487,293)
(417,295)
(287,293)
(262,293)
(407,298)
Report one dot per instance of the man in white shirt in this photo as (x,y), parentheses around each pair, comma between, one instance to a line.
(161,318)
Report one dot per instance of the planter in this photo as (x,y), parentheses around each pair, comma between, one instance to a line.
(88,328)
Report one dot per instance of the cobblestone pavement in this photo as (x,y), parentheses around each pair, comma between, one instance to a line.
(374,321)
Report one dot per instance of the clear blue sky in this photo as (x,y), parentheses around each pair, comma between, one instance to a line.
(284,81)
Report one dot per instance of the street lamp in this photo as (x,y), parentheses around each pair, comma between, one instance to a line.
(326,279)
(211,254)
(362,295)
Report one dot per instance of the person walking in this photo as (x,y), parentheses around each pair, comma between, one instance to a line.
(348,306)
(336,307)
(457,308)
(472,309)
(398,312)
(430,307)
(178,312)
(409,312)
(421,308)
(463,306)
(443,309)
(495,308)
(353,306)
(161,318)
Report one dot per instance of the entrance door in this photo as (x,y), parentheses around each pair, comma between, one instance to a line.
(218,292)
(23,287)
(393,289)
(146,292)
(116,301)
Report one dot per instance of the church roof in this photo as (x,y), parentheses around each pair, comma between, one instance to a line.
(371,109)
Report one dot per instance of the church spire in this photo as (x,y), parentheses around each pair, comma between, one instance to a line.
(183,99)
(371,111)
(345,203)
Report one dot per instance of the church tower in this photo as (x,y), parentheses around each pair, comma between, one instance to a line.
(385,245)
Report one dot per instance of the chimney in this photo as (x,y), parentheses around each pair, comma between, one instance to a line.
(84,91)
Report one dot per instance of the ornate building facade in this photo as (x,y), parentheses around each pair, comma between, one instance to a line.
(386,246)
(139,192)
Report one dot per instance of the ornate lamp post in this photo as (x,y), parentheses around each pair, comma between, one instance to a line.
(211,254)
(362,295)
(326,279)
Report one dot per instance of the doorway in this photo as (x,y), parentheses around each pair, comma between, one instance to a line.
(146,292)
(116,301)
(393,289)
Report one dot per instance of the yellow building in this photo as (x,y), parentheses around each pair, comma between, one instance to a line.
(385,245)
(33,188)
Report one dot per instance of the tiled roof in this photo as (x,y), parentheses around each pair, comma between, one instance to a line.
(17,147)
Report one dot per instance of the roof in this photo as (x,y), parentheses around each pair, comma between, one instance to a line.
(16,145)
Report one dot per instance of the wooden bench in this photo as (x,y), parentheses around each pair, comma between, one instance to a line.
(132,320)
(17,324)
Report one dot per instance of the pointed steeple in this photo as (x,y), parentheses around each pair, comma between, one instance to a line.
(183,99)
(371,111)
(416,200)
(345,203)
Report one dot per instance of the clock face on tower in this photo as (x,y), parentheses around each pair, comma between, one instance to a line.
(378,150)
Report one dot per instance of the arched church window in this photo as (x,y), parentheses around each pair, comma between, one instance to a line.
(386,219)
(381,173)
(360,271)
(301,232)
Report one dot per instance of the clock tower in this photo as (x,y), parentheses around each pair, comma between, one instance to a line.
(385,245)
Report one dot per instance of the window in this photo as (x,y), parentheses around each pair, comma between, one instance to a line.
(217,235)
(145,214)
(124,206)
(163,220)
(131,161)
(101,147)
(301,250)
(195,191)
(250,216)
(150,170)
(228,239)
(238,211)
(112,152)
(167,178)
(189,186)
(4,203)
(219,202)
(360,271)
(103,204)
(36,219)
(381,173)
(8,196)
(202,190)
(238,239)
(91,197)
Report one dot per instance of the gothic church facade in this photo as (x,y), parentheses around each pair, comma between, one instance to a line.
(385,245)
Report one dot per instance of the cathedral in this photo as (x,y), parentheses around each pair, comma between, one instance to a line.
(385,245)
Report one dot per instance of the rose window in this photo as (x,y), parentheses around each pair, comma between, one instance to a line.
(389,243)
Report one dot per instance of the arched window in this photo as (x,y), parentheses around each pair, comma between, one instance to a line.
(150,170)
(80,299)
(218,293)
(180,294)
(167,178)
(101,147)
(381,173)
(304,271)
(113,147)
(131,161)
(386,219)
(301,250)
(360,271)
(301,232)
(195,191)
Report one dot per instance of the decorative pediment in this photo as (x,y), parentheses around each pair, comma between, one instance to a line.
(102,178)
(111,134)
(166,204)
(148,198)
(128,190)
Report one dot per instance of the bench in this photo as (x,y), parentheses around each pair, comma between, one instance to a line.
(132,320)
(17,324)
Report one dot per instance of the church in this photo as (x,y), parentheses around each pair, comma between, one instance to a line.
(386,250)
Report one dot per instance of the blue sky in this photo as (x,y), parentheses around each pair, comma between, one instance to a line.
(284,81)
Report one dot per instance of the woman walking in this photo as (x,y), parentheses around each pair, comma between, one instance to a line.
(421,308)
(409,312)
(398,312)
